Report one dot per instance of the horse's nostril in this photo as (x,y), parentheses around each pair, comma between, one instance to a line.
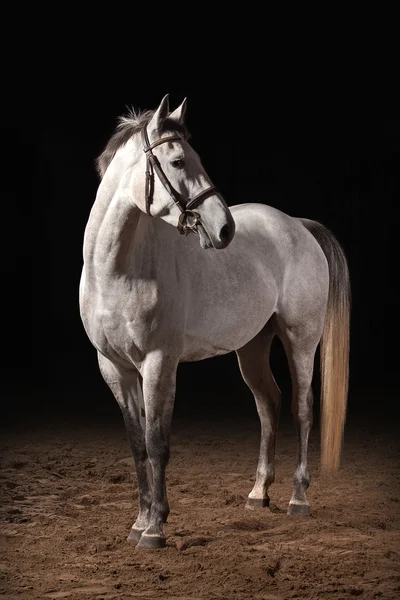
(225,233)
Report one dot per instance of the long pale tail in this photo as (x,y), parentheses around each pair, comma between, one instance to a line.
(335,348)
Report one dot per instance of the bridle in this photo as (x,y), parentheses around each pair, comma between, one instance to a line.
(188,219)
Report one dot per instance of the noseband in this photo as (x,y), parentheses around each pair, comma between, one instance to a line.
(188,219)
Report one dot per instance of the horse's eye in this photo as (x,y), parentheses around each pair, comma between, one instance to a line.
(178,163)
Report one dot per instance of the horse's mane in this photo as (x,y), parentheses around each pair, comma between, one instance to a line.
(128,126)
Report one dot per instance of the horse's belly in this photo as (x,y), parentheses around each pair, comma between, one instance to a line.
(227,327)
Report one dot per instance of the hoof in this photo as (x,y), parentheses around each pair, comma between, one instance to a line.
(152,541)
(298,510)
(255,503)
(134,536)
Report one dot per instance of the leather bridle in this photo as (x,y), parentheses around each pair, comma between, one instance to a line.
(188,219)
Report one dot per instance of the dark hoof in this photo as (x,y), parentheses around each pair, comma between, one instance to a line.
(152,541)
(298,510)
(256,503)
(134,536)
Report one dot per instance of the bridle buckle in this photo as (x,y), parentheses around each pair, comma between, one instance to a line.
(188,221)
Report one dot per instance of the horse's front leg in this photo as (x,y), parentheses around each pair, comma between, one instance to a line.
(159,382)
(125,383)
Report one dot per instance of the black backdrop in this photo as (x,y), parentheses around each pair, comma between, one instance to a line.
(309,158)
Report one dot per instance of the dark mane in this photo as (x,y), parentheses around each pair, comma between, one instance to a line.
(127,127)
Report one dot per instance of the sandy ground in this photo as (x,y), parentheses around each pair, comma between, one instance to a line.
(69,495)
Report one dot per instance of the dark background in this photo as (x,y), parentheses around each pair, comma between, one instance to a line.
(309,155)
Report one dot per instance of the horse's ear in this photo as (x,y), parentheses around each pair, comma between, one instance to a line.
(179,113)
(160,115)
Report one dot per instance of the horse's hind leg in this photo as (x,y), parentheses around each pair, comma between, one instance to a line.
(300,347)
(254,365)
(126,387)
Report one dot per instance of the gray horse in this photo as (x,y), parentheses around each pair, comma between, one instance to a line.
(152,296)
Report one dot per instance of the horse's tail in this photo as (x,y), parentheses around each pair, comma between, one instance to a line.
(335,347)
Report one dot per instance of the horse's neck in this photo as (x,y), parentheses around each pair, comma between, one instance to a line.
(110,231)
(113,220)
(121,241)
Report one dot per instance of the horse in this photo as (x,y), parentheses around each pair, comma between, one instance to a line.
(171,274)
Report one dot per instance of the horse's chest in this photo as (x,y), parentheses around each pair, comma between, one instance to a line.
(121,323)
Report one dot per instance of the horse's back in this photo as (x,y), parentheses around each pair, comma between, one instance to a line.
(268,220)
(269,228)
